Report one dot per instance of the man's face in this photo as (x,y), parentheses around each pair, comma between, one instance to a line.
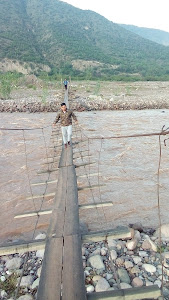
(63,108)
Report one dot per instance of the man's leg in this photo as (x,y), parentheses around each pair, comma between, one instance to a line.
(69,134)
(64,134)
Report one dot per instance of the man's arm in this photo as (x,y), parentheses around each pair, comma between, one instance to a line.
(57,118)
(74,117)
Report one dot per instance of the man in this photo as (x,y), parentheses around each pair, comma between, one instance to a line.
(65,116)
(65,82)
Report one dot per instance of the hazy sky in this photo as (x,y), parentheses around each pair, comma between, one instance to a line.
(143,13)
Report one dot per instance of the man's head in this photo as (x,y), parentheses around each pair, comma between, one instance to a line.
(63,106)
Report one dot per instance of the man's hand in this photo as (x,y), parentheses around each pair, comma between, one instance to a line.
(54,124)
(76,122)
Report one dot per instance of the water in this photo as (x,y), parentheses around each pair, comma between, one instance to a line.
(128,169)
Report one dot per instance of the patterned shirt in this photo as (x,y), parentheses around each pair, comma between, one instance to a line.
(65,117)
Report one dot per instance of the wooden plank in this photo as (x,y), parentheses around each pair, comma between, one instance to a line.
(119,232)
(40,196)
(73,275)
(146,292)
(33,214)
(90,187)
(47,171)
(21,247)
(96,205)
(44,183)
(51,274)
(88,175)
(72,207)
(84,164)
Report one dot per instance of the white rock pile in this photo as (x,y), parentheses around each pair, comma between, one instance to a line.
(137,262)
(11,267)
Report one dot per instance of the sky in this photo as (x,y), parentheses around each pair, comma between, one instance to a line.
(142,13)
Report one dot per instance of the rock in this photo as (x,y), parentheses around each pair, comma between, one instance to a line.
(96,278)
(26,281)
(137,282)
(109,276)
(165,254)
(164,232)
(3,294)
(35,283)
(102,285)
(136,259)
(165,292)
(26,297)
(131,245)
(40,253)
(149,268)
(149,245)
(128,264)
(96,262)
(2,278)
(124,285)
(149,283)
(39,271)
(123,275)
(137,235)
(135,270)
(90,288)
(14,263)
(103,251)
(41,236)
(158,282)
(95,252)
(112,243)
(143,253)
(113,254)
(120,262)
(138,226)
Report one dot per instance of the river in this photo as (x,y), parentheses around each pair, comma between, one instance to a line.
(127,167)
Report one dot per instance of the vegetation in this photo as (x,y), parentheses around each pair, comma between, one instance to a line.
(9,285)
(55,33)
(8,82)
(154,35)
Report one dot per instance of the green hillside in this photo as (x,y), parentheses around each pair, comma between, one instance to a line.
(57,34)
(154,35)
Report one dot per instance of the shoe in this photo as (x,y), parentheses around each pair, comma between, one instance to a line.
(65,146)
(69,143)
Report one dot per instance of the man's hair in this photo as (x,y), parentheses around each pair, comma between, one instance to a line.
(63,104)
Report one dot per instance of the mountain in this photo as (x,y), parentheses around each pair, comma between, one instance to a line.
(154,35)
(76,42)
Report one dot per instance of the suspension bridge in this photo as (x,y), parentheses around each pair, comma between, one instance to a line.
(62,275)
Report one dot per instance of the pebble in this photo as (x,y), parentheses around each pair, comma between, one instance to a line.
(14,263)
(35,283)
(131,245)
(26,281)
(90,288)
(137,282)
(149,268)
(113,254)
(102,285)
(136,259)
(40,253)
(26,297)
(96,262)
(124,285)
(123,275)
(128,264)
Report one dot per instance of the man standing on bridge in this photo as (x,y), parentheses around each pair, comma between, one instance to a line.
(65,82)
(65,116)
